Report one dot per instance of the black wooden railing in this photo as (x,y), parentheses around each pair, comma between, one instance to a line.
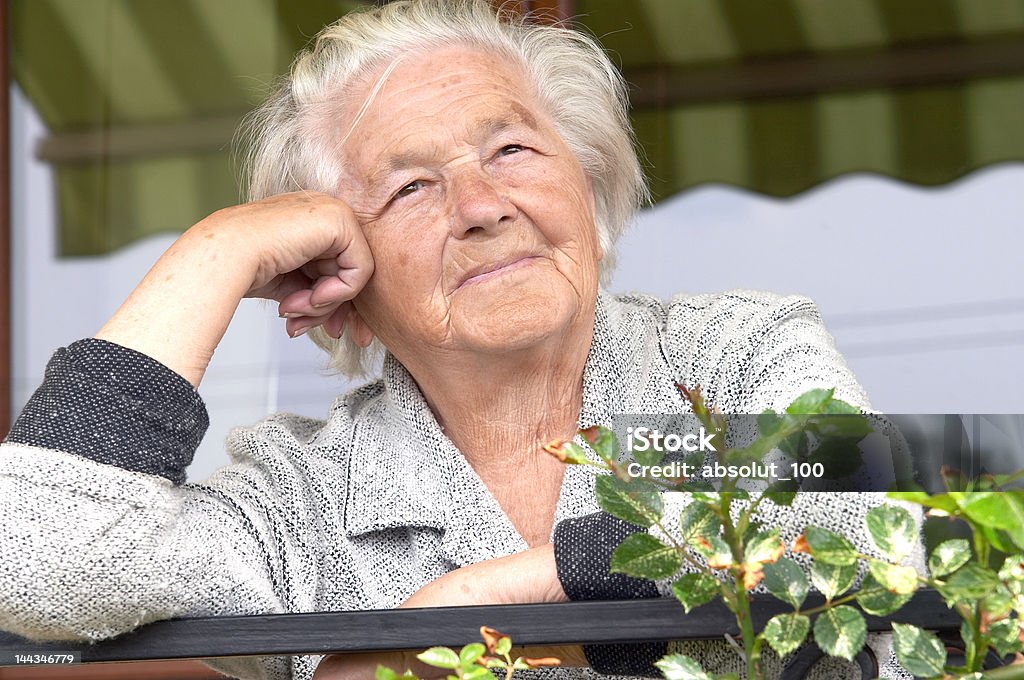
(403,629)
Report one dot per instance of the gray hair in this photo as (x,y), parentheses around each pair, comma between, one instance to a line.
(292,138)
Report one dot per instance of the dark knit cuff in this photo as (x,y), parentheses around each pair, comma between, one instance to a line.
(116,406)
(583,554)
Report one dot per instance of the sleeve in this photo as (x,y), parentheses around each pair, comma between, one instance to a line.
(791,353)
(751,350)
(583,553)
(100,537)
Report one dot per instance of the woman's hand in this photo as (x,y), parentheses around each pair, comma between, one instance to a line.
(305,250)
(523,578)
(310,256)
(526,577)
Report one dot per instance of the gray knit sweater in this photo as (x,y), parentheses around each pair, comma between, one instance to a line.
(99,535)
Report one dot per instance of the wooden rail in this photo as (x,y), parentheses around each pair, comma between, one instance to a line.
(363,631)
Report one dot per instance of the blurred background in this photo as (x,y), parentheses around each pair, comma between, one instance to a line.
(866,153)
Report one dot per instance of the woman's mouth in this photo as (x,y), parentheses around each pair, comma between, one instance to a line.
(492,271)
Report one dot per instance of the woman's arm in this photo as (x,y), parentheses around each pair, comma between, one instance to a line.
(305,250)
(527,577)
(100,536)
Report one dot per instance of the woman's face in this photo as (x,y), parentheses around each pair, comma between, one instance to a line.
(479,217)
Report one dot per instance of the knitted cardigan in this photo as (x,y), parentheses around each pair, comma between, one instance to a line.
(359,511)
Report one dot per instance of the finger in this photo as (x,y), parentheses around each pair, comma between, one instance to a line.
(300,325)
(314,269)
(335,324)
(297,304)
(355,267)
(282,286)
(331,290)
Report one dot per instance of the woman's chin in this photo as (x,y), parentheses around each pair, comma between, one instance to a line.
(500,322)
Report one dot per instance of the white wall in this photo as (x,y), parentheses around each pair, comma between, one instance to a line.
(923,288)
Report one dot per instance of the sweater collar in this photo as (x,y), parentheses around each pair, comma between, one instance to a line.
(405,472)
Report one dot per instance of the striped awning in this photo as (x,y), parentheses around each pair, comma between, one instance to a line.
(777,96)
(142,96)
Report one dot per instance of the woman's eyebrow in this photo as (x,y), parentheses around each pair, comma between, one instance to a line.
(487,127)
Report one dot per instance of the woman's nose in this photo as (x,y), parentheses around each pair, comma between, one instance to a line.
(479,203)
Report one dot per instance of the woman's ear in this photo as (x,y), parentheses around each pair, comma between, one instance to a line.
(358,330)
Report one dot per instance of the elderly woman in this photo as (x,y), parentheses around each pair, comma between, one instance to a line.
(447,186)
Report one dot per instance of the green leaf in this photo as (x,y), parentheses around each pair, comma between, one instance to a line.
(971,582)
(439,657)
(478,673)
(939,501)
(384,673)
(471,653)
(839,458)
(875,599)
(715,550)
(812,401)
(998,603)
(832,579)
(697,519)
(782,492)
(892,530)
(644,556)
(795,445)
(636,501)
(764,547)
(707,497)
(919,651)
(849,426)
(830,547)
(838,406)
(647,457)
(574,455)
(693,590)
(967,633)
(503,646)
(1003,635)
(604,442)
(1012,572)
(786,580)
(997,538)
(768,423)
(994,509)
(696,486)
(679,667)
(949,556)
(840,631)
(893,577)
(785,632)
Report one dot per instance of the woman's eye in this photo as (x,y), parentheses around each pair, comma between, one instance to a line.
(509,149)
(410,188)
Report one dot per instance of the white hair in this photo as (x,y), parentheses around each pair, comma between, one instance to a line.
(292,139)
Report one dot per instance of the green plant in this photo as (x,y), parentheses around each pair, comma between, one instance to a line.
(475,661)
(730,553)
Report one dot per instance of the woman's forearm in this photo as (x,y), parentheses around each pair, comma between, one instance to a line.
(305,250)
(181,309)
(525,577)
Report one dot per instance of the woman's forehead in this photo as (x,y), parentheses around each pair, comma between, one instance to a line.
(424,100)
